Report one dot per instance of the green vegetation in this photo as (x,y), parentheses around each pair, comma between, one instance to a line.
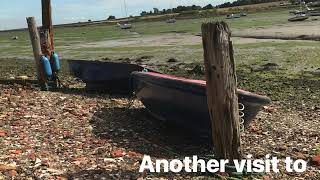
(286,71)
(261,19)
(69,38)
(243,2)
(317,149)
(263,66)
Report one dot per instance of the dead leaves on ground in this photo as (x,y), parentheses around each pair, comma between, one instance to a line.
(50,135)
(46,134)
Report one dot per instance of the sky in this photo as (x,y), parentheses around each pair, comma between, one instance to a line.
(14,12)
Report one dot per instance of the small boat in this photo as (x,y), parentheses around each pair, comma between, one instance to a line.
(184,102)
(295,11)
(243,14)
(125,26)
(233,16)
(172,20)
(104,76)
(299,17)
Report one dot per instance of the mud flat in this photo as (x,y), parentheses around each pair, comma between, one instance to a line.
(308,30)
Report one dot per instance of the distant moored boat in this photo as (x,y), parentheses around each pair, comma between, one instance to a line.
(172,20)
(233,16)
(299,17)
(125,25)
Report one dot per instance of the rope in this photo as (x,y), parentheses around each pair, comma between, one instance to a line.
(59,82)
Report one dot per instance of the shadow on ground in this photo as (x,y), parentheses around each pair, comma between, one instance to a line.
(17,81)
(134,129)
(102,174)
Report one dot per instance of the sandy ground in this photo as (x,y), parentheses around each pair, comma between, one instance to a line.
(290,29)
(307,28)
(165,40)
(158,40)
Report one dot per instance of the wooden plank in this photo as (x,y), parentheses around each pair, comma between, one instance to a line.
(35,41)
(221,90)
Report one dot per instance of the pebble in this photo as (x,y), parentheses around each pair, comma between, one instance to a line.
(315,160)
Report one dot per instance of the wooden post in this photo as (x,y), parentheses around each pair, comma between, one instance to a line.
(221,90)
(47,24)
(35,41)
(45,42)
(46,35)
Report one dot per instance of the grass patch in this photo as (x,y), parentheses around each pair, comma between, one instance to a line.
(130,48)
(293,57)
(317,149)
(68,36)
(295,60)
(279,44)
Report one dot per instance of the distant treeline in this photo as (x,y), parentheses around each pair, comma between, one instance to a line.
(180,9)
(244,2)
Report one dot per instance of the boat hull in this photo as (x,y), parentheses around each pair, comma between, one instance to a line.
(104,76)
(183,102)
(298,18)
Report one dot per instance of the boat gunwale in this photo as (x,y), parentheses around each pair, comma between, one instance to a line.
(196,86)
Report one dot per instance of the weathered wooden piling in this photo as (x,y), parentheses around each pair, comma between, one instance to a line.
(221,90)
(46,35)
(35,41)
(47,28)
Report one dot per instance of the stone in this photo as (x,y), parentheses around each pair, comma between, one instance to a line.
(172,60)
(2,133)
(7,167)
(315,160)
(117,153)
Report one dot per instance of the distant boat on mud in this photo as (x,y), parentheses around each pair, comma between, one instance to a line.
(172,20)
(299,17)
(125,25)
(233,16)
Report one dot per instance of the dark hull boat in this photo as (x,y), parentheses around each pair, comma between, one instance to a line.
(104,76)
(300,17)
(184,102)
